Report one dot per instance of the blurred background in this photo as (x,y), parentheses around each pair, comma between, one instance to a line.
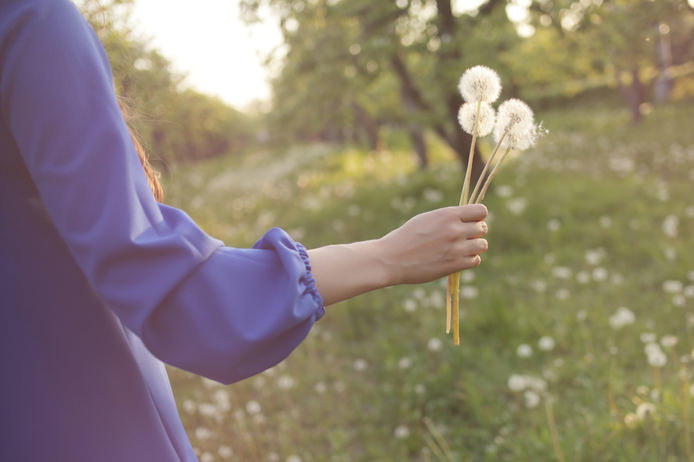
(336,120)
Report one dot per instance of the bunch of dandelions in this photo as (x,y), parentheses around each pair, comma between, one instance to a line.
(513,127)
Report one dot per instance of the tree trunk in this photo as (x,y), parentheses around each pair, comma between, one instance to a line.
(636,95)
(417,139)
(370,126)
(663,83)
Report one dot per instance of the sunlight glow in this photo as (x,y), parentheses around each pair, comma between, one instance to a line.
(208,41)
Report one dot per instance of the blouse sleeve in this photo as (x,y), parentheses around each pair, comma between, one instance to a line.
(222,312)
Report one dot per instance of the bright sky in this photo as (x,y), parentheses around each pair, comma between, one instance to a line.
(207,40)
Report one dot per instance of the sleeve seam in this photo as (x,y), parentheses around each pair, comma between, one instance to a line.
(309,281)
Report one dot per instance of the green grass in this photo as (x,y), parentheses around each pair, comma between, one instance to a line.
(576,232)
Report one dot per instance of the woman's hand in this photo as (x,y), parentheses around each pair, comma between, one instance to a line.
(434,244)
(426,247)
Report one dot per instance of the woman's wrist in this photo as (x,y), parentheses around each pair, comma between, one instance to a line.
(343,271)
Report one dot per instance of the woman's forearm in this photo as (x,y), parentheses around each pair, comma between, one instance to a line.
(428,246)
(343,271)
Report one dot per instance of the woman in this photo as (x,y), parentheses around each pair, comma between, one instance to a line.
(100,283)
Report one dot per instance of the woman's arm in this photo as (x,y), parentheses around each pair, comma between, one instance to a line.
(426,247)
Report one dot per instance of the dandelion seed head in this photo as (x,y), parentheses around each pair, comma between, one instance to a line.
(434,344)
(480,83)
(623,316)
(517,383)
(532,399)
(485,122)
(515,116)
(631,420)
(401,432)
(546,343)
(645,410)
(668,341)
(524,351)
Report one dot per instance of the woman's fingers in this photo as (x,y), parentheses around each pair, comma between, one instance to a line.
(472,213)
(472,247)
(473,230)
(469,262)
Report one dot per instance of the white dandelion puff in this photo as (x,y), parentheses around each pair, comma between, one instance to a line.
(532,399)
(514,116)
(524,351)
(517,383)
(623,316)
(648,337)
(401,432)
(485,120)
(434,344)
(631,420)
(252,407)
(668,341)
(546,343)
(480,83)
(645,410)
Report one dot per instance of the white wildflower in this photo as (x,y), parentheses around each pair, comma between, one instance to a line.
(563,294)
(480,83)
(594,257)
(320,387)
(657,358)
(671,225)
(679,300)
(203,433)
(648,337)
(645,410)
(539,285)
(467,276)
(673,287)
(401,432)
(517,206)
(517,383)
(469,292)
(605,221)
(631,420)
(582,315)
(690,275)
(360,364)
(621,318)
(504,190)
(252,407)
(419,389)
(668,341)
(600,274)
(293,458)
(524,351)
(532,399)
(189,406)
(553,225)
(285,382)
(434,344)
(583,277)
(404,362)
(546,343)
(642,390)
(409,305)
(485,121)
(206,457)
(561,272)
(225,452)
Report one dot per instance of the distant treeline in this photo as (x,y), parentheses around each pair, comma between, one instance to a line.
(175,124)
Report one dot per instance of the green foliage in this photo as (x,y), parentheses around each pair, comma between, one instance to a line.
(577,230)
(175,124)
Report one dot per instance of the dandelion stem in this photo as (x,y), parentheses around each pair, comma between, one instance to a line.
(491,177)
(686,398)
(448,303)
(553,430)
(464,199)
(456,308)
(486,167)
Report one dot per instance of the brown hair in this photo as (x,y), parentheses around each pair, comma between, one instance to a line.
(151,173)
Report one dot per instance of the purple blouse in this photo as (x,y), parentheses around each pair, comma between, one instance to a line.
(99,283)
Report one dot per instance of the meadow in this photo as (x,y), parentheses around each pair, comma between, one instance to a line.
(576,329)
